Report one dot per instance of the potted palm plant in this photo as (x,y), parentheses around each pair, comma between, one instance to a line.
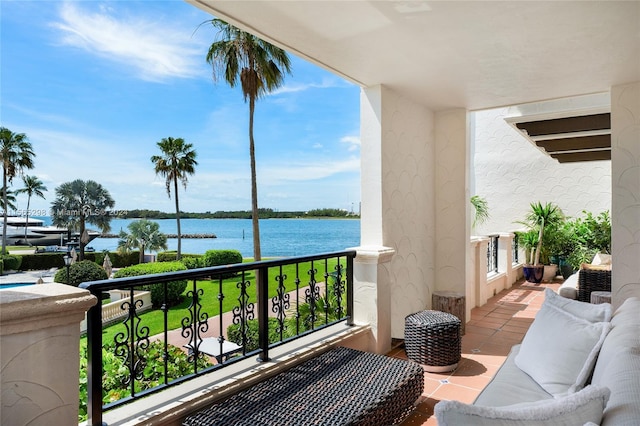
(537,220)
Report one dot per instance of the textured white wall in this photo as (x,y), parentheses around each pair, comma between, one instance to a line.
(398,175)
(625,216)
(452,195)
(511,173)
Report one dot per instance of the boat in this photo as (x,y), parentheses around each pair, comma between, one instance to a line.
(39,234)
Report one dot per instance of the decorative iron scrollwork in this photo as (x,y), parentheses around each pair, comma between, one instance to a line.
(280,303)
(131,345)
(245,311)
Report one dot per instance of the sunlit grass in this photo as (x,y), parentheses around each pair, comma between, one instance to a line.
(154,319)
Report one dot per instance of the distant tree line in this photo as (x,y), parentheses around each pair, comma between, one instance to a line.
(239,214)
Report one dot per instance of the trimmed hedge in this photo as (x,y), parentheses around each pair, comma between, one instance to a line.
(221,257)
(11,262)
(41,261)
(80,272)
(174,288)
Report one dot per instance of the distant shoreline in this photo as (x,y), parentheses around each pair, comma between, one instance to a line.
(202,236)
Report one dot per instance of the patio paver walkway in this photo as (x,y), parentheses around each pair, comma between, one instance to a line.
(493,329)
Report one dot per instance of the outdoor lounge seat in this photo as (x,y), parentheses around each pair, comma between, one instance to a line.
(338,388)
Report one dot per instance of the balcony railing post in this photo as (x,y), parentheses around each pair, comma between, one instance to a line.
(94,362)
(350,321)
(262,282)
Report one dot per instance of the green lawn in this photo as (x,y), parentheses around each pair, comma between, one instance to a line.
(154,319)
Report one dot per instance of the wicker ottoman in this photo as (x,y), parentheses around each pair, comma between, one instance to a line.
(432,338)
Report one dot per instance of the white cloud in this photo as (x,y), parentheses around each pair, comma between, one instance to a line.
(352,141)
(301,87)
(155,50)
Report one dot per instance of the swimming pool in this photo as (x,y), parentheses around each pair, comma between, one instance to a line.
(13,285)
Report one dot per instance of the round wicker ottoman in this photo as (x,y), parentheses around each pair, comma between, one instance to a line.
(432,338)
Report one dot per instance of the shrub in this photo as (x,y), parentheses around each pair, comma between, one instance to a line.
(116,374)
(192,262)
(174,288)
(11,262)
(81,272)
(221,257)
(234,333)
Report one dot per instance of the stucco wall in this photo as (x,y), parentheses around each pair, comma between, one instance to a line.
(511,173)
(408,204)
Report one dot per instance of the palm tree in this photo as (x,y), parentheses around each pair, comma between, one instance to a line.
(178,160)
(80,202)
(32,186)
(16,154)
(144,234)
(238,56)
(11,201)
(481,210)
(540,217)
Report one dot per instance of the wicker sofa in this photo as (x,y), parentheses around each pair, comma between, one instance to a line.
(578,364)
(595,276)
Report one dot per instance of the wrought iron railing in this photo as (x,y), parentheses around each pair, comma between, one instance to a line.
(283,299)
(492,254)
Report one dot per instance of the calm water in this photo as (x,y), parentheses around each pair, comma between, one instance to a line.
(278,237)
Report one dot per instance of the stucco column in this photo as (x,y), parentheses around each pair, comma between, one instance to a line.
(452,204)
(39,353)
(397,169)
(372,294)
(625,191)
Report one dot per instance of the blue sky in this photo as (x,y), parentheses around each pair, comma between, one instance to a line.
(94,85)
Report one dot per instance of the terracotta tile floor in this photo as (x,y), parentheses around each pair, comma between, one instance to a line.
(489,335)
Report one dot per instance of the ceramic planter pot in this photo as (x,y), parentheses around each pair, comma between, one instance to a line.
(533,274)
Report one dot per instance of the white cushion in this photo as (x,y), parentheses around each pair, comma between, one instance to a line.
(569,287)
(575,409)
(560,350)
(601,259)
(510,385)
(587,311)
(623,376)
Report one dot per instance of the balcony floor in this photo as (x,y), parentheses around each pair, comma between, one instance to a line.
(489,335)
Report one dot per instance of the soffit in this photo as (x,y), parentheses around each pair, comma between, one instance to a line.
(456,54)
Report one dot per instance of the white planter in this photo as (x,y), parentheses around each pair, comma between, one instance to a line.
(550,272)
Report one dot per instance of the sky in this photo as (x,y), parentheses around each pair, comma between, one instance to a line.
(95,85)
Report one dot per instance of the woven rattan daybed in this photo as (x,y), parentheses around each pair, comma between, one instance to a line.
(338,388)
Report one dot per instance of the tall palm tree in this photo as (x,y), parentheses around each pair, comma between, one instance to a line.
(144,234)
(16,154)
(32,186)
(80,202)
(238,56)
(11,201)
(177,162)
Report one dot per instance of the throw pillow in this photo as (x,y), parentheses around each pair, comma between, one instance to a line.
(595,267)
(560,350)
(592,313)
(576,409)
(601,259)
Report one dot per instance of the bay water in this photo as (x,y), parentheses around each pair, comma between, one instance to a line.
(278,237)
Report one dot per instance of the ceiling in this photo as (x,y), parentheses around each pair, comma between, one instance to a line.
(468,54)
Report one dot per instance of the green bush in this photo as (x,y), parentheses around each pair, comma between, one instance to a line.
(192,262)
(174,288)
(221,257)
(171,255)
(81,272)
(116,374)
(11,262)
(234,333)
